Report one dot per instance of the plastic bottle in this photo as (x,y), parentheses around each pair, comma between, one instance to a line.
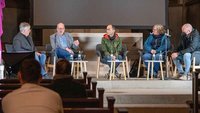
(71,57)
(153,57)
(79,55)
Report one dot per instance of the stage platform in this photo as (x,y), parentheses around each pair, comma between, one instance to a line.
(147,93)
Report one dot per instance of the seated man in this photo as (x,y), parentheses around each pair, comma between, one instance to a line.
(188,45)
(31,97)
(64,84)
(111,46)
(22,42)
(156,45)
(63,43)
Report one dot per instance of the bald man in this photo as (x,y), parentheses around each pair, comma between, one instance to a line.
(63,43)
(187,48)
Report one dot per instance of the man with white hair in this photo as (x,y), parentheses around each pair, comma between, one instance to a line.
(188,45)
(22,42)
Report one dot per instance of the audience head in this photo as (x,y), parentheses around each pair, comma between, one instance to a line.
(29,71)
(25,28)
(110,29)
(158,29)
(60,28)
(187,28)
(63,67)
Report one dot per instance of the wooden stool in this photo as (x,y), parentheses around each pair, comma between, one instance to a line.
(76,65)
(151,63)
(112,68)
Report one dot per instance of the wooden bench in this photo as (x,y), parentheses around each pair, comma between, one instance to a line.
(85,102)
(109,109)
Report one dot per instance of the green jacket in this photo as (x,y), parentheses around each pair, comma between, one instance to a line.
(111,47)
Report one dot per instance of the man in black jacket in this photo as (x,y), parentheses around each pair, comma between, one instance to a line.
(64,84)
(189,44)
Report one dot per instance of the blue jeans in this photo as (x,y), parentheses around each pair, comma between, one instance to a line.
(41,59)
(61,53)
(186,59)
(107,58)
(148,56)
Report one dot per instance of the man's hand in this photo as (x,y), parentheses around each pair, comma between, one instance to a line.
(174,55)
(38,54)
(76,42)
(153,51)
(69,50)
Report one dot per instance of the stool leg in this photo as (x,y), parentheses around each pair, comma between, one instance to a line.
(98,62)
(127,67)
(81,68)
(139,65)
(124,71)
(77,74)
(111,69)
(148,71)
(152,65)
(85,67)
(161,69)
(114,70)
(72,68)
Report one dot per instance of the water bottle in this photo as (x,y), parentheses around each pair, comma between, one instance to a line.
(111,56)
(153,57)
(160,56)
(79,55)
(71,57)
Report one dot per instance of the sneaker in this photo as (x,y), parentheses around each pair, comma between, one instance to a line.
(184,77)
(46,76)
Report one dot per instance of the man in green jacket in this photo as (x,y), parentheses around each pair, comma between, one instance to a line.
(111,46)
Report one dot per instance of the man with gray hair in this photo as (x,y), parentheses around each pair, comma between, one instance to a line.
(187,48)
(63,43)
(22,42)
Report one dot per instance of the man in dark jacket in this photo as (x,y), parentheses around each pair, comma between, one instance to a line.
(22,42)
(189,44)
(64,84)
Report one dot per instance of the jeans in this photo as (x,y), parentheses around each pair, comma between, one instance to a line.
(41,59)
(148,56)
(186,59)
(61,53)
(107,58)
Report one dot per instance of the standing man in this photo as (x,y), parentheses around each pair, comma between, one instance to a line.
(188,45)
(31,97)
(111,46)
(23,42)
(63,43)
(2,5)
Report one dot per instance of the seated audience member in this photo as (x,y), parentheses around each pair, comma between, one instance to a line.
(156,44)
(22,42)
(31,97)
(63,82)
(111,46)
(63,43)
(188,46)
